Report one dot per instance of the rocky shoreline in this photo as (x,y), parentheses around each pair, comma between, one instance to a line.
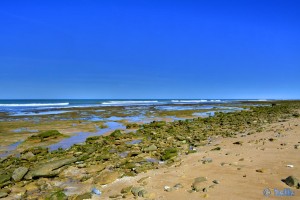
(82,171)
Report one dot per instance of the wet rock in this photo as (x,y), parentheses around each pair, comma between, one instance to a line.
(106,177)
(292,182)
(19,173)
(49,169)
(150,148)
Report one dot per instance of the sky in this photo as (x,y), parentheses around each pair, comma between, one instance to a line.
(150,49)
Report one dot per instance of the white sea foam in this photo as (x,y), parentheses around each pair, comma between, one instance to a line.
(188,101)
(128,102)
(33,104)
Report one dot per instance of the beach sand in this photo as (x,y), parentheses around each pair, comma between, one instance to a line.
(242,170)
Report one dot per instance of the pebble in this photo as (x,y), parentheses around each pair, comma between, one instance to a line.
(177,186)
(167,188)
(96,191)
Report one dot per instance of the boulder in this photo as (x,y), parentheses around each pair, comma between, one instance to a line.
(49,169)
(292,182)
(197,185)
(19,173)
(3,194)
(87,195)
(27,156)
(4,178)
(135,190)
(150,148)
(106,177)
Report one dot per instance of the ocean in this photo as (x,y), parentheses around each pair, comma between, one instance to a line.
(16,107)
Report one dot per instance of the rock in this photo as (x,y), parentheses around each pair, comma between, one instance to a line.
(49,169)
(205,190)
(74,173)
(216,182)
(142,179)
(3,194)
(126,190)
(106,177)
(169,153)
(95,168)
(200,179)
(197,185)
(114,196)
(4,178)
(135,190)
(297,146)
(143,193)
(59,195)
(19,173)
(177,186)
(260,170)
(78,153)
(238,143)
(87,195)
(27,156)
(292,182)
(150,148)
(206,160)
(167,188)
(216,149)
(31,188)
(96,191)
(271,139)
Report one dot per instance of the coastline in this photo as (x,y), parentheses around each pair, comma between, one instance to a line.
(242,171)
(114,156)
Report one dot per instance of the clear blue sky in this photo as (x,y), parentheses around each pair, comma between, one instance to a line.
(150,49)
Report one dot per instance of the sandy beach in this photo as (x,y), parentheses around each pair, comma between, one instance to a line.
(241,171)
(235,155)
